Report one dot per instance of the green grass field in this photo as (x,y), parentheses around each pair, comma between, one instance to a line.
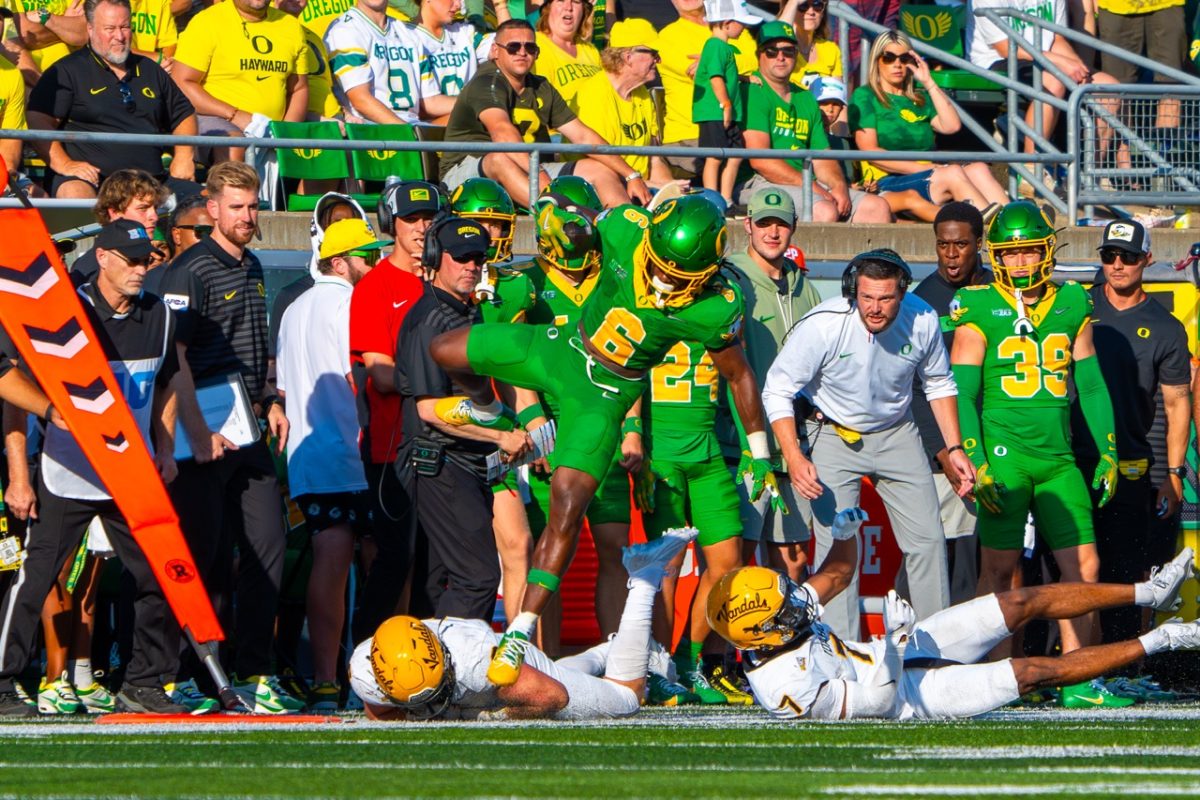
(692,752)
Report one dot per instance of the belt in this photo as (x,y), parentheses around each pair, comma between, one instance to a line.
(848,435)
(603,360)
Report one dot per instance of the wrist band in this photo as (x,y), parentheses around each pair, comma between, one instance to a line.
(954,447)
(530,413)
(757,442)
(46,414)
(631,425)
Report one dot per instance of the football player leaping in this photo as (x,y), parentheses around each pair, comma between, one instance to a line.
(438,668)
(658,285)
(799,669)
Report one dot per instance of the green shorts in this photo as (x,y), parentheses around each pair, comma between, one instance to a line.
(542,358)
(1052,487)
(610,504)
(700,493)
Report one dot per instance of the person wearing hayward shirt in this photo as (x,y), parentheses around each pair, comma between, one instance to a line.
(777,296)
(1142,350)
(137,333)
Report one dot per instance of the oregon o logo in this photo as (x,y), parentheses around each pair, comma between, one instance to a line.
(1143,333)
(1000,450)
(261,44)
(148,92)
(180,571)
(970,444)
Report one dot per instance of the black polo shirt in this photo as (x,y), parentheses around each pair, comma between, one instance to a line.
(418,375)
(220,303)
(83,93)
(1139,349)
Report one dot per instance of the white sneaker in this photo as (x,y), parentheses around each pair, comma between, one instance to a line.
(57,697)
(649,561)
(187,693)
(1181,635)
(1166,581)
(264,695)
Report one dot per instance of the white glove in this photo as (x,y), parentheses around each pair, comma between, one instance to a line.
(898,615)
(847,522)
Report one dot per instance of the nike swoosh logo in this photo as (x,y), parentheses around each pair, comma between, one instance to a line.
(397,305)
(1061,310)
(261,77)
(98,91)
(231,294)
(766,319)
(845,355)
(1096,701)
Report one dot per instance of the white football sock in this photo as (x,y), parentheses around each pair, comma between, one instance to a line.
(1155,641)
(629,653)
(526,623)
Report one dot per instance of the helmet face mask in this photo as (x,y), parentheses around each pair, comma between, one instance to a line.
(411,667)
(484,200)
(1020,226)
(759,609)
(566,238)
(681,251)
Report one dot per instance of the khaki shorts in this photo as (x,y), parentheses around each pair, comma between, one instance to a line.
(1161,34)
(958,513)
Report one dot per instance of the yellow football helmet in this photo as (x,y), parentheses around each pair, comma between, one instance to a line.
(411,667)
(756,608)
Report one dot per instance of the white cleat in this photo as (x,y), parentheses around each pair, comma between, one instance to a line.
(1166,581)
(847,522)
(649,561)
(1180,635)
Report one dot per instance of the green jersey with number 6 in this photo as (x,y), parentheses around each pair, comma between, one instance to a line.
(622,319)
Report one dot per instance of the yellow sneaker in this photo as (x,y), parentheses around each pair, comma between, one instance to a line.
(461,411)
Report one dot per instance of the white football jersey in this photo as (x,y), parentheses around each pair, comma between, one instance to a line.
(452,59)
(389,59)
(787,684)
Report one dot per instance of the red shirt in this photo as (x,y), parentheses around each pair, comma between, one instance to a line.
(379,303)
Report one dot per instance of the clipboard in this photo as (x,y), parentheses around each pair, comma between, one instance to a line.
(226,408)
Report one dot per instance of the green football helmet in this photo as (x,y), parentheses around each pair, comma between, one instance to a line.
(681,250)
(577,190)
(484,200)
(1019,225)
(566,237)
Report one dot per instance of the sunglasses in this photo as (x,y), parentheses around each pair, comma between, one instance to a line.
(369,257)
(201,231)
(126,96)
(647,51)
(815,5)
(775,52)
(1108,255)
(903,58)
(512,48)
(478,259)
(133,262)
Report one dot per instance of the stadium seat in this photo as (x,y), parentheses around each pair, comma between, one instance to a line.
(942,27)
(379,165)
(311,164)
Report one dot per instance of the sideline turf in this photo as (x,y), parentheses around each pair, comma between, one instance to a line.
(698,753)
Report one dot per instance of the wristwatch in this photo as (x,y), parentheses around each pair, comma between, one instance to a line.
(633,176)
(1178,472)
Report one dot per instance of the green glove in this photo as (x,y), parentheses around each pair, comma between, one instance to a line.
(643,488)
(762,477)
(988,490)
(1106,477)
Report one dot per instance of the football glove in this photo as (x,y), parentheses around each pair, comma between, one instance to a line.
(762,479)
(988,490)
(898,615)
(1106,479)
(847,522)
(643,488)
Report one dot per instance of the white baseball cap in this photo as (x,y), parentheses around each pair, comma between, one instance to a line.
(730,11)
(826,88)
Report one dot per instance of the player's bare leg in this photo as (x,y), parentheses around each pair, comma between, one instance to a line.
(610,539)
(1079,564)
(996,571)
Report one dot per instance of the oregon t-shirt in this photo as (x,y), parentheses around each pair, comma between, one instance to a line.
(153,25)
(564,71)
(625,123)
(901,124)
(792,124)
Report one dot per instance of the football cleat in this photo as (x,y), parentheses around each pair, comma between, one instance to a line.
(1092,694)
(461,411)
(1181,635)
(57,697)
(187,693)
(264,695)
(96,699)
(727,684)
(1166,581)
(147,700)
(508,658)
(323,697)
(663,692)
(649,561)
(708,695)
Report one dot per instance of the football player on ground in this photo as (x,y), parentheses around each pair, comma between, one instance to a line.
(438,668)
(1017,339)
(658,285)
(798,668)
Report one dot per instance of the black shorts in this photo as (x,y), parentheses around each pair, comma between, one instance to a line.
(323,511)
(715,134)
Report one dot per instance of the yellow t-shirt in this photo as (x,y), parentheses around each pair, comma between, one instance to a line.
(680,44)
(827,62)
(562,70)
(44,57)
(247,64)
(1137,6)
(321,100)
(153,25)
(12,100)
(627,123)
(319,14)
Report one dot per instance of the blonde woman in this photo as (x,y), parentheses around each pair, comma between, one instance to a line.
(816,55)
(564,35)
(901,108)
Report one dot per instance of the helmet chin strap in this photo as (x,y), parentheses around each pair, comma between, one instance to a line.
(661,289)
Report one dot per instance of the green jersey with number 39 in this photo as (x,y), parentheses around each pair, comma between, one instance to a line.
(621,319)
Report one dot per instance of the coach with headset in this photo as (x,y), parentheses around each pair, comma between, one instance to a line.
(442,467)
(847,369)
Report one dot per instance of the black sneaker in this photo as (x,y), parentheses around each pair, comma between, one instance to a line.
(13,705)
(148,700)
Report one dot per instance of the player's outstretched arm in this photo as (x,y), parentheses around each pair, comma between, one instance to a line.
(1097,409)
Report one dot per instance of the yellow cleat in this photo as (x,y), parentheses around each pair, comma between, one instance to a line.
(508,658)
(729,686)
(461,411)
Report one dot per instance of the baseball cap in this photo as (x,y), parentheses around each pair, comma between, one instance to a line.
(1128,235)
(730,11)
(127,237)
(772,203)
(413,197)
(349,234)
(826,89)
(633,32)
(463,237)
(775,30)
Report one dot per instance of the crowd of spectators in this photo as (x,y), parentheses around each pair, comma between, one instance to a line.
(336,372)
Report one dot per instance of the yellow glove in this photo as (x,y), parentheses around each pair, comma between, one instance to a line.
(643,488)
(988,490)
(1105,478)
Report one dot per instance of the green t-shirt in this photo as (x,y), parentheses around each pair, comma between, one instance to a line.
(717,59)
(534,111)
(792,124)
(620,318)
(900,125)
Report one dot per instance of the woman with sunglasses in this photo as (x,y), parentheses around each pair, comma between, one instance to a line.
(816,55)
(566,54)
(901,108)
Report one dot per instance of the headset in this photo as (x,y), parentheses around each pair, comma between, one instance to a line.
(431,254)
(385,209)
(884,254)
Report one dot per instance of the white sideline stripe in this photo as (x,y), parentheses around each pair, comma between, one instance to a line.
(60,768)
(1037,753)
(407,742)
(969,790)
(1151,771)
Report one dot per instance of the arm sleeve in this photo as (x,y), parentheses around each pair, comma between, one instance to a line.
(1096,405)
(170,364)
(1174,368)
(557,112)
(176,105)
(793,369)
(168,36)
(756,118)
(969,378)
(861,113)
(931,434)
